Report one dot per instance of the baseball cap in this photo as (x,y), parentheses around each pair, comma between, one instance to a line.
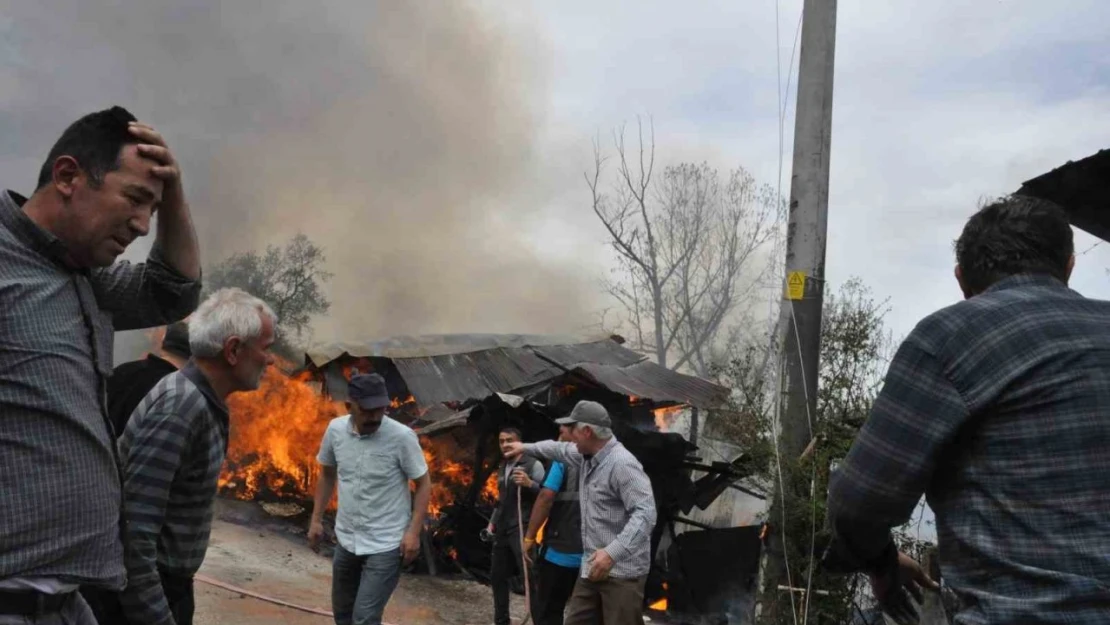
(368,390)
(588,413)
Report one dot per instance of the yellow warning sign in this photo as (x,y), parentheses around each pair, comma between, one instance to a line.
(795,285)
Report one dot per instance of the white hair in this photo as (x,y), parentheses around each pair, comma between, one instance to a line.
(600,432)
(226,313)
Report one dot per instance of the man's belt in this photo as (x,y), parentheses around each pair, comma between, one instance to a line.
(31,602)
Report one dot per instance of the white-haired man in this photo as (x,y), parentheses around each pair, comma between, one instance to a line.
(173,449)
(618,515)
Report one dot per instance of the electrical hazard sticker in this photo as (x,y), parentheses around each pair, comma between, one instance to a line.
(795,285)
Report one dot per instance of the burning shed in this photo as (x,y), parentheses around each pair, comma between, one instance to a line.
(528,381)
(457,391)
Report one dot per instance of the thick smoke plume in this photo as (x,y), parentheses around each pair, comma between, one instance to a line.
(394,134)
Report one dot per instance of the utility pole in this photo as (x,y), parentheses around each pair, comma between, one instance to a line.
(800,322)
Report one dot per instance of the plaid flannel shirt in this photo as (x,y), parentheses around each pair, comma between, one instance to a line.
(998,410)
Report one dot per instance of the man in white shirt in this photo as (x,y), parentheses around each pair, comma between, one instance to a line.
(378,525)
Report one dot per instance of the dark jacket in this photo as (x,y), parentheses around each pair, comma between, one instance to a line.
(129,384)
(505,520)
(564,525)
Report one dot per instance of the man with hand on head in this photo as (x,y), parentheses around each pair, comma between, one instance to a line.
(373,458)
(63,295)
(618,516)
(173,449)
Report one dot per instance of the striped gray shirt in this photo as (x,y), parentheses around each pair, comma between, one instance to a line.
(618,508)
(172,450)
(59,474)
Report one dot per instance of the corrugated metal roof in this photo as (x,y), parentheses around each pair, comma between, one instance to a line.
(440,345)
(458,377)
(648,380)
(503,364)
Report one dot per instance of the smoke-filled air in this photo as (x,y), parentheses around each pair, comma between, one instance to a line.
(397,136)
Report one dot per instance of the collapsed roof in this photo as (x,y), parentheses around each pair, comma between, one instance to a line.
(1082,188)
(455,368)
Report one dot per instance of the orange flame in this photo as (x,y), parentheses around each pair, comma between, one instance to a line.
(451,475)
(661,605)
(275,435)
(665,417)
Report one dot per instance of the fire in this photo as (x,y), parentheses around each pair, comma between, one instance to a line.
(665,417)
(661,605)
(450,476)
(408,402)
(446,471)
(276,433)
(275,436)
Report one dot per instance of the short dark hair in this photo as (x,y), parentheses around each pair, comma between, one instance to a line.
(94,141)
(176,340)
(511,430)
(1014,235)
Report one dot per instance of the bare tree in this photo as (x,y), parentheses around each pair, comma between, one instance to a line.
(688,243)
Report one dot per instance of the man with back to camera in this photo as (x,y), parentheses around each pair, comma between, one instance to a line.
(998,410)
(561,556)
(373,458)
(618,516)
(62,296)
(131,381)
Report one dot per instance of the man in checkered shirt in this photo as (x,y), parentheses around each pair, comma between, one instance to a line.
(997,409)
(62,296)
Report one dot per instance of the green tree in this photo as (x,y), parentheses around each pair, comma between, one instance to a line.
(855,351)
(289,278)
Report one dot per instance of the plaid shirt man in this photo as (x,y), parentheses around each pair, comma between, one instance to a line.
(998,410)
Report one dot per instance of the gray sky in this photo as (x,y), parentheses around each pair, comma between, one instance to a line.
(438,154)
(937,104)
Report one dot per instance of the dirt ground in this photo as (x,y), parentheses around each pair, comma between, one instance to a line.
(272,559)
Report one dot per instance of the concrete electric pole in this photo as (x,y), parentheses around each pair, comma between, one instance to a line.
(805,267)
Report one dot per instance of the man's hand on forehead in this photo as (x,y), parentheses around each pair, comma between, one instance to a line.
(152,146)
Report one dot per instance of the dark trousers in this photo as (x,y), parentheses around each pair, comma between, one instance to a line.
(73,611)
(107,609)
(610,601)
(505,562)
(555,585)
